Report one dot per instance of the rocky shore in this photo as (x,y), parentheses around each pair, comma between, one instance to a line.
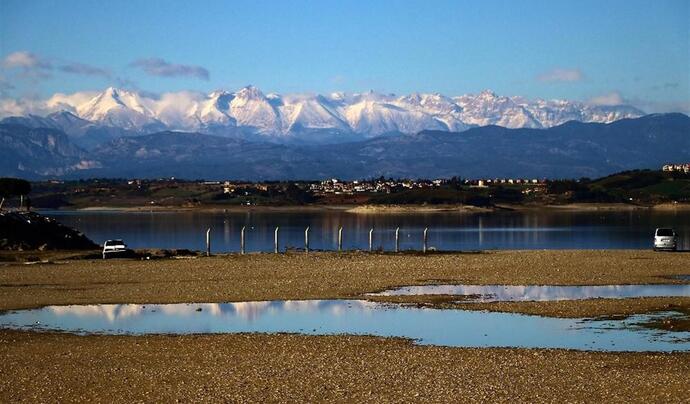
(21,231)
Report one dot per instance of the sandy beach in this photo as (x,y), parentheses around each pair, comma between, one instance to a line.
(398,209)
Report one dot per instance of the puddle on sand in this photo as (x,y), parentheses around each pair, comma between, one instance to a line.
(510,293)
(459,328)
(682,277)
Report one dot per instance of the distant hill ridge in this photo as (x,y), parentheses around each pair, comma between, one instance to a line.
(571,150)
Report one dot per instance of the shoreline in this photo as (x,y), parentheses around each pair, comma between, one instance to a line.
(354,209)
(384,209)
(594,207)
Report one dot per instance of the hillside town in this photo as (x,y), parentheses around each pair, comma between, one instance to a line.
(335,186)
(683,167)
(382,185)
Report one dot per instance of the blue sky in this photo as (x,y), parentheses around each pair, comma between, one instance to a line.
(634,51)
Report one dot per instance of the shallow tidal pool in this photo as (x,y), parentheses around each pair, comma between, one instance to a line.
(456,328)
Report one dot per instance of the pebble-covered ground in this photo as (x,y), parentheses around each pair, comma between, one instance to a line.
(317,275)
(561,308)
(262,368)
(63,367)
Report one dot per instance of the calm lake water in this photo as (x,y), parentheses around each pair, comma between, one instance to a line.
(460,328)
(498,230)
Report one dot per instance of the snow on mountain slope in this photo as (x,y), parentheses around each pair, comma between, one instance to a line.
(606,114)
(177,110)
(249,111)
(31,121)
(487,108)
(61,120)
(215,110)
(307,112)
(119,108)
(376,117)
(442,108)
(251,108)
(69,123)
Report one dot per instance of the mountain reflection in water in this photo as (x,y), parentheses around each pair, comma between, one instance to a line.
(461,328)
(511,293)
(244,310)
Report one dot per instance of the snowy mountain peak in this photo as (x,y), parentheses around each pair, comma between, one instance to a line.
(111,92)
(364,114)
(250,92)
(219,93)
(414,98)
(221,99)
(337,96)
(119,108)
(252,109)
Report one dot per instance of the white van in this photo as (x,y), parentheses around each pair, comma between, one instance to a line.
(114,248)
(665,239)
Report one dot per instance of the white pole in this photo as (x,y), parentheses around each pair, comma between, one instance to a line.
(306,239)
(397,239)
(426,233)
(208,242)
(242,240)
(371,239)
(275,241)
(340,238)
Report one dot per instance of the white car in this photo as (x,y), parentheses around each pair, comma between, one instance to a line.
(665,239)
(114,248)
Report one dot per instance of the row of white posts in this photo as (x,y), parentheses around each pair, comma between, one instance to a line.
(276,240)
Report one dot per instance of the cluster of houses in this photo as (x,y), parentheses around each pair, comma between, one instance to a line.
(503,181)
(683,168)
(336,186)
(243,187)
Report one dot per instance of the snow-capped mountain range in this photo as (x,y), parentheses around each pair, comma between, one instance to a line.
(250,112)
